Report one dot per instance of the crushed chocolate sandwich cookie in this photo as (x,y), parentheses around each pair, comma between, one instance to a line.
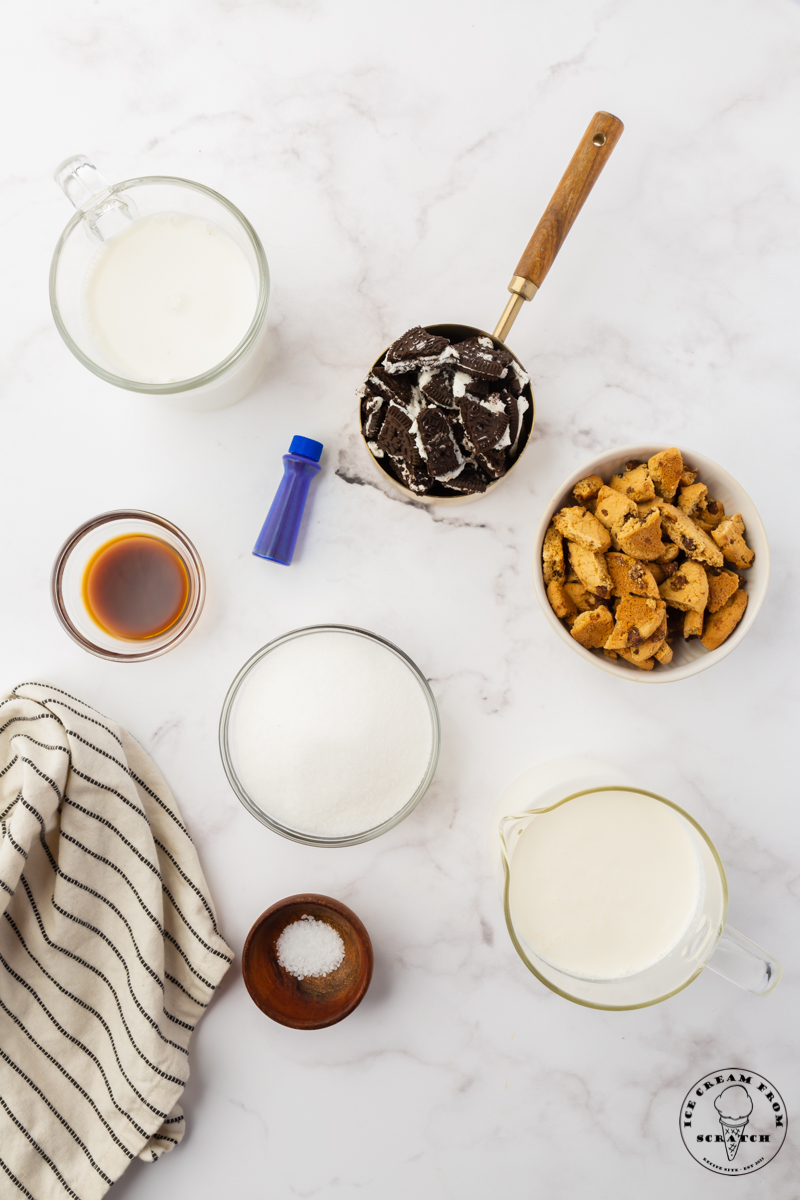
(446,418)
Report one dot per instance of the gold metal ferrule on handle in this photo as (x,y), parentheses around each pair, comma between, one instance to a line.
(521,289)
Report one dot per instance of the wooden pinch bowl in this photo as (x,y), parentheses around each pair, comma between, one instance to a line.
(310,1003)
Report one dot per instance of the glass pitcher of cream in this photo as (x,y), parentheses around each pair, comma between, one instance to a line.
(616,898)
(160,285)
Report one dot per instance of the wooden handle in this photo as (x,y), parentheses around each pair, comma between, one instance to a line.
(567,201)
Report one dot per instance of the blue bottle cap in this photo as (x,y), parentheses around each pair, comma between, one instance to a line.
(306,446)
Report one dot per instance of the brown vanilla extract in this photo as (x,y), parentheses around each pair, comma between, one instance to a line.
(135,587)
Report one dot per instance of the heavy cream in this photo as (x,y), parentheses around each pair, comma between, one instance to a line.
(169,298)
(605,885)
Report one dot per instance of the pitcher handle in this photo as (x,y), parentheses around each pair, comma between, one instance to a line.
(103,214)
(744,963)
(80,180)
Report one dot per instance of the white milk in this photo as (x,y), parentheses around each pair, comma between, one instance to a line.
(604,885)
(169,298)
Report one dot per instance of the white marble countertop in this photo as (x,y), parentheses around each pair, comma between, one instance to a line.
(394,159)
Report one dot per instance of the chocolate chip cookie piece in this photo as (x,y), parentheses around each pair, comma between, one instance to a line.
(591,570)
(636,484)
(692,625)
(645,651)
(576,524)
(587,489)
(593,628)
(612,507)
(561,602)
(640,537)
(721,586)
(666,469)
(710,513)
(637,619)
(721,624)
(689,537)
(664,653)
(692,498)
(584,601)
(645,664)
(553,556)
(671,552)
(686,588)
(729,536)
(630,576)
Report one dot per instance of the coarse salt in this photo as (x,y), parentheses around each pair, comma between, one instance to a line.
(309,948)
(331,734)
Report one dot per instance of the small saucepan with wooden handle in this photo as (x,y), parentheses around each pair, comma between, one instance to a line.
(378,394)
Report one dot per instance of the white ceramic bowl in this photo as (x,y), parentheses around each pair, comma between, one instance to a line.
(689,658)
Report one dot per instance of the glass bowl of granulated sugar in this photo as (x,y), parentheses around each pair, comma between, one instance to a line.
(330,735)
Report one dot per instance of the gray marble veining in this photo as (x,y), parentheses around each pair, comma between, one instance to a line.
(394,158)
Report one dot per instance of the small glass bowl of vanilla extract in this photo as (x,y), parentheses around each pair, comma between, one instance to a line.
(128,586)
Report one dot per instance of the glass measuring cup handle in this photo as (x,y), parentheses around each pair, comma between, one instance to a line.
(103,213)
(744,963)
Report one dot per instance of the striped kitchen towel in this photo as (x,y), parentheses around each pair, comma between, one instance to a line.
(109,950)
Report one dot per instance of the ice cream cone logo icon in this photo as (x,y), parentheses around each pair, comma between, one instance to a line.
(734,1107)
(733,1121)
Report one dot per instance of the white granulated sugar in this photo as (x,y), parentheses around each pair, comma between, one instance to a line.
(331,734)
(309,948)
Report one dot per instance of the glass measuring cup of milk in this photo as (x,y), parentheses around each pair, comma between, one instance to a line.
(160,286)
(616,898)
